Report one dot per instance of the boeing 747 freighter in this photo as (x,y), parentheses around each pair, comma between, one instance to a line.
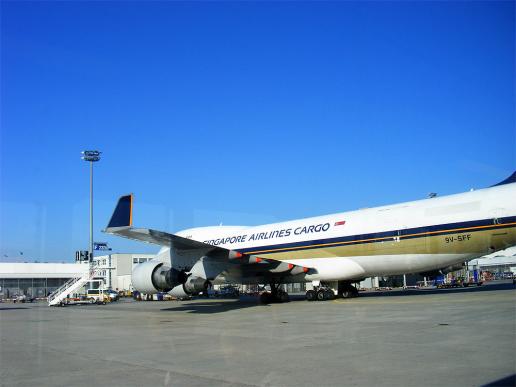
(333,251)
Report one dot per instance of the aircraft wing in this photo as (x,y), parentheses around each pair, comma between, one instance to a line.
(121,224)
(159,238)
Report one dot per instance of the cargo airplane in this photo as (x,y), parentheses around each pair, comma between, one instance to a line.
(333,251)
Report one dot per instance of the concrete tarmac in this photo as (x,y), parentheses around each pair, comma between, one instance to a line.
(461,337)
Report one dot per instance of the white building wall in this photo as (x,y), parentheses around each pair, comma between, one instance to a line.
(123,282)
(121,267)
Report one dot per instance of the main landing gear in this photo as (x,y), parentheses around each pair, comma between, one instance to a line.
(326,292)
(320,293)
(276,295)
(346,290)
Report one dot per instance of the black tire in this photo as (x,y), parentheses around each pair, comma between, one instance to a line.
(321,295)
(283,296)
(347,294)
(310,295)
(265,298)
(330,295)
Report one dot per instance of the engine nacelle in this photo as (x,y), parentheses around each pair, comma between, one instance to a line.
(179,292)
(153,277)
(192,286)
(195,285)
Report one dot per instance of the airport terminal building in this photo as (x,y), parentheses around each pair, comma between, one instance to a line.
(36,279)
(40,279)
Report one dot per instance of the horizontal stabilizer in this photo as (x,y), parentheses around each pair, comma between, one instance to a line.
(123,214)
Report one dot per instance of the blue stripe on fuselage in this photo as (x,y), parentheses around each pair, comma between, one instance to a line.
(409,233)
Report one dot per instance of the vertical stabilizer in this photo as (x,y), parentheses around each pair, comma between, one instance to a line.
(123,214)
(509,180)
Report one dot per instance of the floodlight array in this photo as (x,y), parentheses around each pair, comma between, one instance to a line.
(91,155)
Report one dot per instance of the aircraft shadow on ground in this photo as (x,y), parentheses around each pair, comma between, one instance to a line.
(209,306)
(214,306)
(13,308)
(509,381)
(423,292)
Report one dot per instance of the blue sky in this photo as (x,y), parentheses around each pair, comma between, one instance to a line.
(244,113)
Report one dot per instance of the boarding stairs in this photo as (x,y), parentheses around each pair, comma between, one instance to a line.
(74,284)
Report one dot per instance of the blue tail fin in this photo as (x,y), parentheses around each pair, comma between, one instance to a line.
(123,214)
(510,179)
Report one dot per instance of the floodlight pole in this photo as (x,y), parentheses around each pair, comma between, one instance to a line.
(91,215)
(91,156)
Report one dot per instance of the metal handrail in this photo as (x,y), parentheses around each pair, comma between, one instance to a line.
(56,293)
(67,284)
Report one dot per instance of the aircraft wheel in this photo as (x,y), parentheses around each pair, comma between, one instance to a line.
(347,294)
(321,295)
(265,298)
(330,295)
(310,295)
(283,296)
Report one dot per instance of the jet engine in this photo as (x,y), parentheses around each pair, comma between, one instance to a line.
(192,286)
(153,276)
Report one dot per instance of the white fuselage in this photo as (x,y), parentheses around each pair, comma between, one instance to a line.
(408,237)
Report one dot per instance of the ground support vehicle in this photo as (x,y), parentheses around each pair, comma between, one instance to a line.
(113,295)
(442,283)
(23,299)
(81,300)
(98,296)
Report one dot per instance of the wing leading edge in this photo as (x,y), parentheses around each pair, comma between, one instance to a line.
(121,224)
